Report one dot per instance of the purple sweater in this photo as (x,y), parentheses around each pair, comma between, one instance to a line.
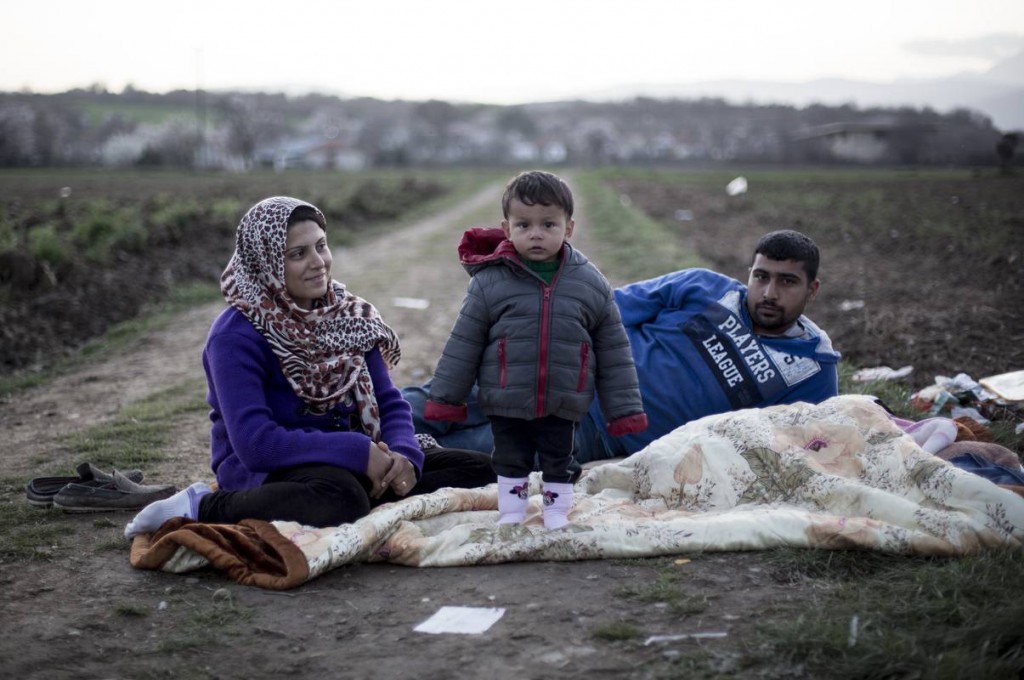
(260,425)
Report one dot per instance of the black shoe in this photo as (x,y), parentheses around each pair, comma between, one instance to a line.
(41,490)
(122,494)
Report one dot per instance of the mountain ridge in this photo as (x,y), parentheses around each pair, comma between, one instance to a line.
(997,93)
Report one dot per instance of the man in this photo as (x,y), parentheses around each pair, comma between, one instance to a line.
(703,343)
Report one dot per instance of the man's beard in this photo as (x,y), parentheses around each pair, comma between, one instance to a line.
(776,322)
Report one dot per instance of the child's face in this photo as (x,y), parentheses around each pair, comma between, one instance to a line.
(537,231)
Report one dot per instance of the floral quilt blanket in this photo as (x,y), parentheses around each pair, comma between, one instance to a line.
(838,475)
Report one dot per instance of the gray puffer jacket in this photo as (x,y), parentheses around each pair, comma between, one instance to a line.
(536,349)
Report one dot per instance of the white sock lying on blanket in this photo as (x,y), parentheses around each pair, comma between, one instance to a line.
(185,503)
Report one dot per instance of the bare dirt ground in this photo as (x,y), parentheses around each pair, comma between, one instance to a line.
(893,291)
(92,615)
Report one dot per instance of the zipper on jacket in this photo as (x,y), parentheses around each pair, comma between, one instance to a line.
(501,362)
(545,328)
(584,357)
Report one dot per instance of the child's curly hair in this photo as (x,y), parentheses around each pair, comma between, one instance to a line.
(536,186)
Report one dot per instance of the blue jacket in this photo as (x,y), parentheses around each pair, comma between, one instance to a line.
(696,355)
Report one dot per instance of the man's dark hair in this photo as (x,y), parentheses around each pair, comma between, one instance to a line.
(536,186)
(307,212)
(790,245)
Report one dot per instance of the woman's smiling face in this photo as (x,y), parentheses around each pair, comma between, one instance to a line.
(307,263)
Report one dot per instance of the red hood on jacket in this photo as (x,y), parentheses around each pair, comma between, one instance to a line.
(480,245)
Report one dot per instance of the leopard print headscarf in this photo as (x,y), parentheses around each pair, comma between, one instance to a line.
(321,350)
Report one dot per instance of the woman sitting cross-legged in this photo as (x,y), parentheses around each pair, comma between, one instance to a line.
(307,426)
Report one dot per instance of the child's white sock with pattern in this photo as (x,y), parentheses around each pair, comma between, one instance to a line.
(513,498)
(557,504)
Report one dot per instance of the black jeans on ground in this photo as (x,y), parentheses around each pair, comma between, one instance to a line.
(325,495)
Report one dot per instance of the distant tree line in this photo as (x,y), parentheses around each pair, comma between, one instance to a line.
(239,131)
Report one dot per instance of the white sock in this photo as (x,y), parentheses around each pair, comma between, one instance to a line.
(557,504)
(185,503)
(513,498)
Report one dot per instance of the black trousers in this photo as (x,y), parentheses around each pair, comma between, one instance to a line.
(548,442)
(325,495)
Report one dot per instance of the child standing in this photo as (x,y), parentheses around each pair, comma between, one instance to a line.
(540,333)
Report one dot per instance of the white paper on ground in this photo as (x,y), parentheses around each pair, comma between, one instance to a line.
(410,303)
(684,636)
(882,373)
(1009,386)
(461,620)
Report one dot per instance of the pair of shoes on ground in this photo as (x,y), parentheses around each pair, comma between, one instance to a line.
(42,490)
(94,490)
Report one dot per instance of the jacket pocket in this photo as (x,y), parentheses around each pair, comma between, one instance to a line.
(584,361)
(502,373)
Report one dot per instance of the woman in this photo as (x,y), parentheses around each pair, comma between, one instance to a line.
(307,426)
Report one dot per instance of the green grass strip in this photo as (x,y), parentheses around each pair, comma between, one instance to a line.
(633,246)
(141,431)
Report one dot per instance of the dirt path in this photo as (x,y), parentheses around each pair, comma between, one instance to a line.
(34,421)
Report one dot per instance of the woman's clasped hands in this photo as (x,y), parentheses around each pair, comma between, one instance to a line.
(388,470)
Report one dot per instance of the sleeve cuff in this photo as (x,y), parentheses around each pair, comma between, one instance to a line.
(628,425)
(455,413)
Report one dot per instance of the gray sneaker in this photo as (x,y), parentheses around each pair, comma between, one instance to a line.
(123,494)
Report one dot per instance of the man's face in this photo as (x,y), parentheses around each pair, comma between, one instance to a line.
(777,292)
(537,231)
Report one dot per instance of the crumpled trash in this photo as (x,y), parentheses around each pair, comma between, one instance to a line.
(968,412)
(938,401)
(963,383)
(949,393)
(737,186)
(882,373)
(962,392)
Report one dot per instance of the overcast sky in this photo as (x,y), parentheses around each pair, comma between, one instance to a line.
(510,51)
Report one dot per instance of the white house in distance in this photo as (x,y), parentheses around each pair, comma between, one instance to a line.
(858,142)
